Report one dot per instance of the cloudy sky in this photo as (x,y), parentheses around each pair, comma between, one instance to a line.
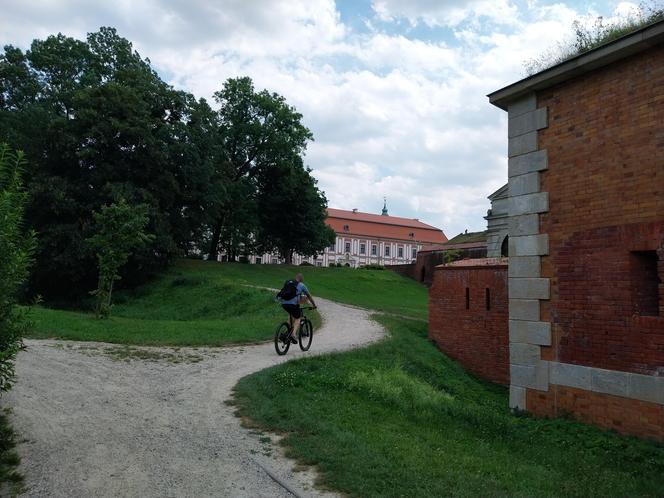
(393,90)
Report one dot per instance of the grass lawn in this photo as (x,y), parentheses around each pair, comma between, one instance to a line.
(400,419)
(200,303)
(381,290)
(188,306)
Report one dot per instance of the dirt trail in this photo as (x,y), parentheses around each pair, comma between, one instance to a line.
(98,427)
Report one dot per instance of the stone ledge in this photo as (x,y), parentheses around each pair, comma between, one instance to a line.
(533,377)
(518,397)
(527,122)
(529,288)
(613,382)
(529,204)
(525,224)
(567,374)
(538,333)
(524,309)
(528,183)
(522,353)
(529,245)
(524,267)
(527,163)
(527,103)
(522,144)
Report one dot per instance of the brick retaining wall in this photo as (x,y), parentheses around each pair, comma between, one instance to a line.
(467,327)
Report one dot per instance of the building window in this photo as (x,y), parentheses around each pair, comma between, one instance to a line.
(363,248)
(487,298)
(504,247)
(467,298)
(400,252)
(347,246)
(259,260)
(414,253)
(387,251)
(411,235)
(645,283)
(333,247)
(374,250)
(346,228)
(319,263)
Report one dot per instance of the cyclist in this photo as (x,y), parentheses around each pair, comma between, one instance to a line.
(292,306)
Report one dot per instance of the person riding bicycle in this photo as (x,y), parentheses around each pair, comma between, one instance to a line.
(292,305)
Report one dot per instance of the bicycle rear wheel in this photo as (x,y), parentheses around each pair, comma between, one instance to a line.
(305,335)
(281,339)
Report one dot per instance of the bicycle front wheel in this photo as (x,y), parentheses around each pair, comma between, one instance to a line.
(306,335)
(281,339)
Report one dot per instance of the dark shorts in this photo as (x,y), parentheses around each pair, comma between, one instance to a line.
(293,310)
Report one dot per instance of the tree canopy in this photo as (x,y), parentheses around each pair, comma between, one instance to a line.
(97,123)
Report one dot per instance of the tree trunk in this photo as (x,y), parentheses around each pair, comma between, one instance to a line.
(213,252)
(288,256)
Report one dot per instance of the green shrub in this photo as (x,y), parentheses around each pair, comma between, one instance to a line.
(16,250)
(372,267)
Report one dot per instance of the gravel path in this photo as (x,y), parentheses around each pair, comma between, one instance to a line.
(156,425)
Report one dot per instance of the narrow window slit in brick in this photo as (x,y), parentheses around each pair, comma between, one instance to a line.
(645,283)
(487,298)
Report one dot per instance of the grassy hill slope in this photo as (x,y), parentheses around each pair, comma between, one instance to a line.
(208,303)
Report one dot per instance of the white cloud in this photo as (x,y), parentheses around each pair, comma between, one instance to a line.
(445,13)
(391,114)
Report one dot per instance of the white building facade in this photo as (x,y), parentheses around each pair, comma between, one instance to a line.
(368,239)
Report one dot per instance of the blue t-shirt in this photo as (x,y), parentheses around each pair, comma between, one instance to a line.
(301,288)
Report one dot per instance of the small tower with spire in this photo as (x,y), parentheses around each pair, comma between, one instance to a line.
(384,213)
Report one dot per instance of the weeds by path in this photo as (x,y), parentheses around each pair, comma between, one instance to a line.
(11,481)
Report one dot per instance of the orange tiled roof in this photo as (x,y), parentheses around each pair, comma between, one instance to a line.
(389,227)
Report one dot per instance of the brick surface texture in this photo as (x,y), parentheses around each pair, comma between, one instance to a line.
(605,143)
(477,337)
(626,416)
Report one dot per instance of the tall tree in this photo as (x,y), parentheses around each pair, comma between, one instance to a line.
(258,131)
(292,212)
(97,123)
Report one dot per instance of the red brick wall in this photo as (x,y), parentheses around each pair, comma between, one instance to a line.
(407,270)
(476,337)
(627,416)
(605,143)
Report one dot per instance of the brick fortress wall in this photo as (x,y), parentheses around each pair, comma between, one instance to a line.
(605,227)
(468,318)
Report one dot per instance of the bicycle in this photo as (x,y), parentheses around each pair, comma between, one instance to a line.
(304,335)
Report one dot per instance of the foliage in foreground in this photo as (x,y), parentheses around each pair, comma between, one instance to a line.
(400,419)
(588,37)
(16,248)
(11,482)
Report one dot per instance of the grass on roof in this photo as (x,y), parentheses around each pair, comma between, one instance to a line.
(466,238)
